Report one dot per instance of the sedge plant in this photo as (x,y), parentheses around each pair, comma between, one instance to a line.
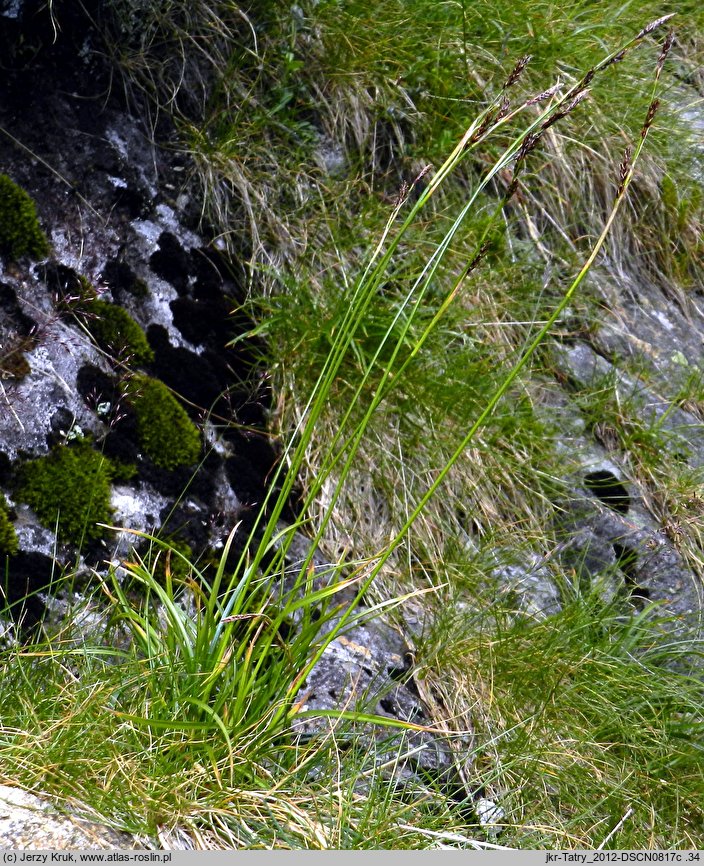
(227,654)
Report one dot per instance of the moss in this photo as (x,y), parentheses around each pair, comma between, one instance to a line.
(116,332)
(85,291)
(69,488)
(8,536)
(14,365)
(20,232)
(70,288)
(139,288)
(165,431)
(122,472)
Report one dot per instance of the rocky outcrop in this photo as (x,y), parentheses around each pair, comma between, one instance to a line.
(120,241)
(32,823)
(133,300)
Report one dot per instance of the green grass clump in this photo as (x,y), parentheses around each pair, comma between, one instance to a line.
(8,536)
(191,783)
(20,232)
(582,718)
(69,489)
(170,560)
(166,433)
(116,332)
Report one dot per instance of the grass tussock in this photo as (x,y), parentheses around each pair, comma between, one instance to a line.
(580,721)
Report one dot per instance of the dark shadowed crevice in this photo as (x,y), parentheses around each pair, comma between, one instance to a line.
(627,561)
(608,490)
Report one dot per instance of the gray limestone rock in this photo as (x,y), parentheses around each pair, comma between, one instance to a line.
(11,9)
(630,556)
(365,670)
(684,430)
(32,823)
(533,584)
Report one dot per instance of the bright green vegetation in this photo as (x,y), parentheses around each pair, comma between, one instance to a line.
(20,232)
(169,560)
(417,411)
(166,432)
(8,536)
(69,489)
(581,721)
(116,332)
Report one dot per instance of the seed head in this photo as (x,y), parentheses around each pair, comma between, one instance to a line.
(477,259)
(581,95)
(483,126)
(528,144)
(511,190)
(517,71)
(624,169)
(649,28)
(422,173)
(587,80)
(652,110)
(666,47)
(504,106)
(617,58)
(546,94)
(401,195)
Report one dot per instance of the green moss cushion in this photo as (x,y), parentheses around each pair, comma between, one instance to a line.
(69,489)
(20,232)
(166,433)
(116,332)
(8,536)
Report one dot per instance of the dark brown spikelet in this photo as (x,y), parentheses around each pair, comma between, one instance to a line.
(492,117)
(652,111)
(511,190)
(401,195)
(504,106)
(527,145)
(623,170)
(422,173)
(546,94)
(587,80)
(649,28)
(483,127)
(477,259)
(517,71)
(563,112)
(617,58)
(666,48)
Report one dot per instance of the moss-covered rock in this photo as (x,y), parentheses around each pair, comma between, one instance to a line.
(8,536)
(165,431)
(20,232)
(69,488)
(14,364)
(116,332)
